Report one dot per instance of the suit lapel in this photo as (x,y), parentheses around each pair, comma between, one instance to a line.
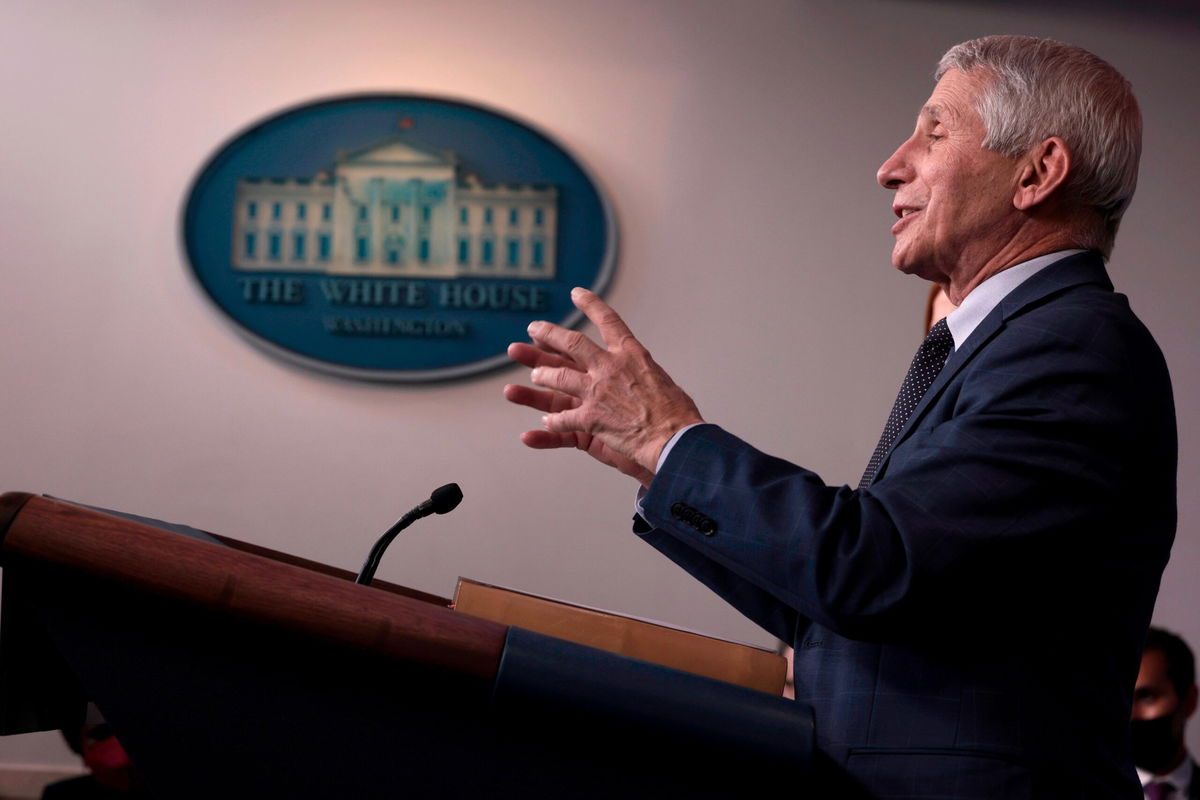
(1079,269)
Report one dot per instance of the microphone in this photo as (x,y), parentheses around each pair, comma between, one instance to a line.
(444,499)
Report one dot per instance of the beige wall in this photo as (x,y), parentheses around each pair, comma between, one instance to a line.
(738,142)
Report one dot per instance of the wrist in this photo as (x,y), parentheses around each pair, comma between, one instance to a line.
(663,447)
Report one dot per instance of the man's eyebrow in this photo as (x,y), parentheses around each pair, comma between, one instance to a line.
(935,112)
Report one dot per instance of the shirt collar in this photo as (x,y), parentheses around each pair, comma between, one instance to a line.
(1181,778)
(963,320)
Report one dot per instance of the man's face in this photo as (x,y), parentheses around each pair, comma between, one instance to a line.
(1156,702)
(954,199)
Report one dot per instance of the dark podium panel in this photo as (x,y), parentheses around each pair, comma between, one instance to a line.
(229,670)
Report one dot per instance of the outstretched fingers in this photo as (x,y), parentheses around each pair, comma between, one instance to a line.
(568,344)
(538,399)
(610,399)
(613,329)
(561,379)
(549,440)
(530,356)
(561,410)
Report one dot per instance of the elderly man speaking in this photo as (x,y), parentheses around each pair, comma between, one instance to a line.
(968,620)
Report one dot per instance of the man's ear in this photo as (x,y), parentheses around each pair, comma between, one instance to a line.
(1044,169)
(1189,702)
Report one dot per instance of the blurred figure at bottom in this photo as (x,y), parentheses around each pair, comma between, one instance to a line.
(1164,697)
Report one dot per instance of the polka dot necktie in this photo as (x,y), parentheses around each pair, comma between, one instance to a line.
(926,364)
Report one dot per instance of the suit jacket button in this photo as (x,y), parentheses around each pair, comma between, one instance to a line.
(707,526)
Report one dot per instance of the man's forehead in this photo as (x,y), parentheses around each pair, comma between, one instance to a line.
(1154,667)
(952,97)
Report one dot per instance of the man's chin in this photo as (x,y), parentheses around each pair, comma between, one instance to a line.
(909,267)
(917,264)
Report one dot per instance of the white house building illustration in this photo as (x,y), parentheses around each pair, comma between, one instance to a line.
(395,209)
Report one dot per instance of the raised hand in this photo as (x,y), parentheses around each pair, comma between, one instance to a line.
(614,402)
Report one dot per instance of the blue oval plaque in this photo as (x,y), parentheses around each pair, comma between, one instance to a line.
(395,237)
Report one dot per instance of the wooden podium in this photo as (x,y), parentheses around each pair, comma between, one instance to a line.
(229,670)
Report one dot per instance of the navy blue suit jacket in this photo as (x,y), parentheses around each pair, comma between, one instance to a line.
(970,625)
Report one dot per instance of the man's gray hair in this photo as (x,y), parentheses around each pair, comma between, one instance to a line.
(1042,88)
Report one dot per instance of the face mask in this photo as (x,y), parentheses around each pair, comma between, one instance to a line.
(1154,743)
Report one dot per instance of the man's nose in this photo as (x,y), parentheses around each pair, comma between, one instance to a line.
(896,171)
(1143,710)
